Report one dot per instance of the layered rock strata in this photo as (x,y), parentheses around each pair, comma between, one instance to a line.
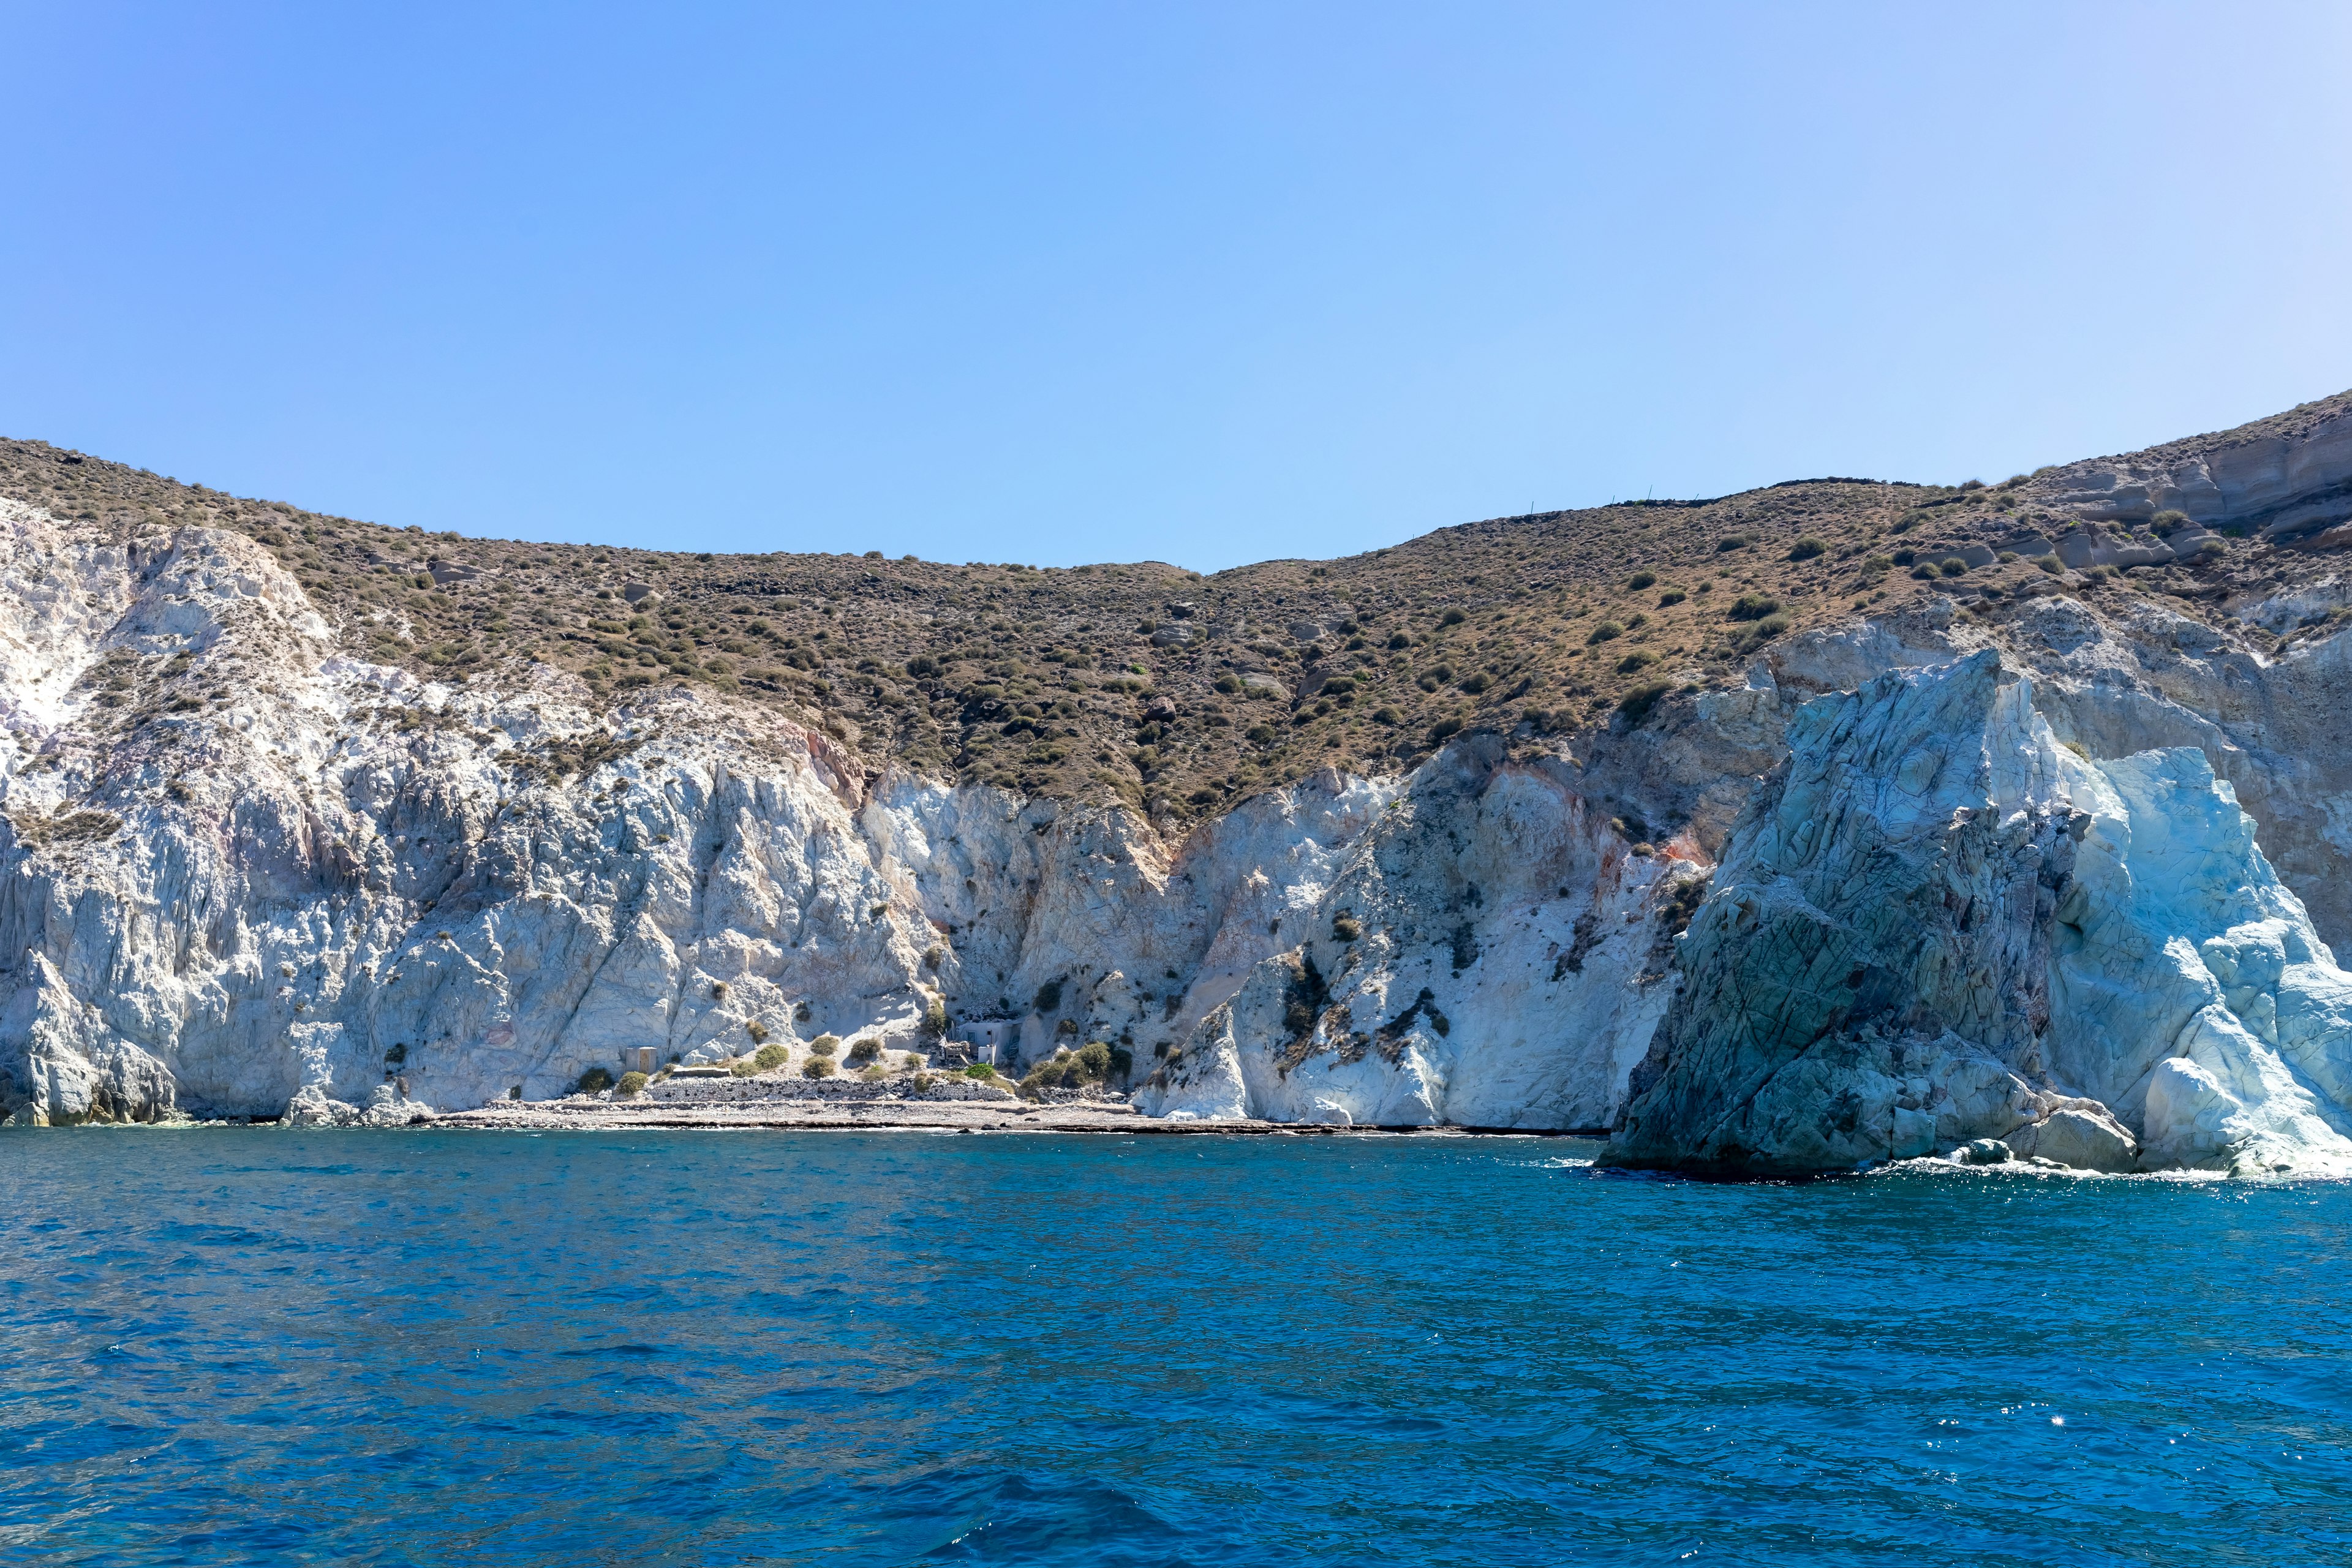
(2287,476)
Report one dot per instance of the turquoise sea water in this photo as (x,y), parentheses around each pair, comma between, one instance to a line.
(264,1346)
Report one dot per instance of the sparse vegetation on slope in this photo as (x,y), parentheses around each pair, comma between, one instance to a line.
(1141,681)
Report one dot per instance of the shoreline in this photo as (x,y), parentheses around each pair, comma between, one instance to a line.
(1100,1119)
(934,1117)
(1085,1118)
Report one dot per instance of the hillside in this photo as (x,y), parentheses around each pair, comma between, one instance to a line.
(1835,820)
(1147,684)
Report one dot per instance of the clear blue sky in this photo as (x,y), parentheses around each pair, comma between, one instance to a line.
(1208,283)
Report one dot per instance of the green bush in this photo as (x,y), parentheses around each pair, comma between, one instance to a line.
(1671,597)
(2210,548)
(1452,618)
(1767,628)
(1637,703)
(919,1083)
(1445,729)
(2051,563)
(1641,580)
(1049,997)
(744,1066)
(1805,549)
(595,1080)
(979,1071)
(1092,1063)
(914,1060)
(1605,632)
(817,1066)
(862,1051)
(876,1073)
(1752,606)
(631,1085)
(1639,658)
(935,1016)
(758,1031)
(2171,519)
(826,1045)
(1346,928)
(770,1057)
(1952,566)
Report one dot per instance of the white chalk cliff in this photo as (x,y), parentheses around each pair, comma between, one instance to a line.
(1937,925)
(1487,953)
(2070,885)
(312,878)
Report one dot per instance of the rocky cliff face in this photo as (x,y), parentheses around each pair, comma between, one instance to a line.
(1488,952)
(1937,925)
(2061,869)
(244,873)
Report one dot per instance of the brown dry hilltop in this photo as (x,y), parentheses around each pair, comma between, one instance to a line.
(1181,693)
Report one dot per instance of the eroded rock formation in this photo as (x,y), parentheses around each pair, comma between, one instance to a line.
(1939,925)
(2286,476)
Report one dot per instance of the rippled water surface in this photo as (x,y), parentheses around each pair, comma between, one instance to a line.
(263,1346)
